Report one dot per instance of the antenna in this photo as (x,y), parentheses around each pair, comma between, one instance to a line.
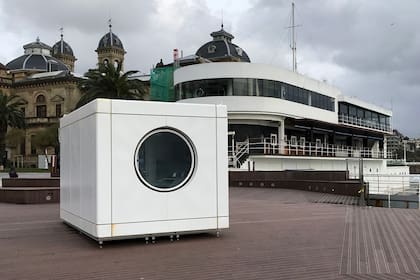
(293,38)
(293,41)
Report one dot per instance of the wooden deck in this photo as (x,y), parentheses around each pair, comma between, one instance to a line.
(274,234)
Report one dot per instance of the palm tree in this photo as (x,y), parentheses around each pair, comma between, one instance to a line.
(108,81)
(10,116)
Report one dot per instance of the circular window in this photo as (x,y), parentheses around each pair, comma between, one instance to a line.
(164,159)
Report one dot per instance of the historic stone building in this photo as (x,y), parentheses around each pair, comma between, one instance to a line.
(44,81)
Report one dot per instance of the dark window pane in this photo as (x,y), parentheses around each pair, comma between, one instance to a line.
(165,160)
(240,87)
(41,111)
(360,113)
(58,110)
(352,111)
(343,109)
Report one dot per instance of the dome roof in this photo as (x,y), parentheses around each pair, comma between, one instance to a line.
(222,48)
(61,47)
(38,62)
(37,57)
(110,40)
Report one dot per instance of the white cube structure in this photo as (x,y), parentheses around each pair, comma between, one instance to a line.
(141,168)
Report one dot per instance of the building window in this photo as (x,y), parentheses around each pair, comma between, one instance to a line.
(41,111)
(211,49)
(58,112)
(164,160)
(40,99)
(41,107)
(254,87)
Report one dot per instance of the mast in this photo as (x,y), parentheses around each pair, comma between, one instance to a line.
(293,44)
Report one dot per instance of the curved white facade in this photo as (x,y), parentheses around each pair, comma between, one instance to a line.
(251,70)
(259,107)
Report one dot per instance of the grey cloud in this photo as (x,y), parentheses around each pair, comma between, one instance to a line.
(375,44)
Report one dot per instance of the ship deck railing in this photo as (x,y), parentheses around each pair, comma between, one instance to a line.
(347,119)
(264,146)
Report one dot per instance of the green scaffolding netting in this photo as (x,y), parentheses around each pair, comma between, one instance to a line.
(162,84)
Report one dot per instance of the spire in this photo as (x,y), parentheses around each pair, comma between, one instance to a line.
(61,41)
(222,19)
(110,30)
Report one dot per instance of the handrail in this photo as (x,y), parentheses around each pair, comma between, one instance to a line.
(242,149)
(392,184)
(264,146)
(363,122)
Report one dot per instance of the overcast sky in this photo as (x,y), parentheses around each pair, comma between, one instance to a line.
(368,49)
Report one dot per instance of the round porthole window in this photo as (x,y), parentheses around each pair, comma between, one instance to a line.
(164,159)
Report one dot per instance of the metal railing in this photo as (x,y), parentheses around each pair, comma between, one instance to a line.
(239,153)
(264,146)
(363,123)
(394,190)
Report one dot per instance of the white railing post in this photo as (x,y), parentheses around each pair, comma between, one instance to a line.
(418,193)
(389,197)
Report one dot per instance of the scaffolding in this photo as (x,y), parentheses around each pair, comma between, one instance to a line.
(162,84)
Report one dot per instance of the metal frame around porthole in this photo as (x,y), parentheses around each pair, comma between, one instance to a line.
(191,149)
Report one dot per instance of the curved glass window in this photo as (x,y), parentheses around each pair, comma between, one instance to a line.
(349,113)
(253,87)
(164,159)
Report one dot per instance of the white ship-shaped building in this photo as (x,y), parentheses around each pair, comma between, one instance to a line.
(282,120)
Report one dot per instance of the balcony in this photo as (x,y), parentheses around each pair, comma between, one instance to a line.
(36,120)
(364,123)
(240,152)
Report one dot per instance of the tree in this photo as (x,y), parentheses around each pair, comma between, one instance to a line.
(10,116)
(48,137)
(14,137)
(108,81)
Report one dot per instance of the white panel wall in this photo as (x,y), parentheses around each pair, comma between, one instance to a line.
(101,193)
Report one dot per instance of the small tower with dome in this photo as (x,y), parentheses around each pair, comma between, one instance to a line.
(62,51)
(110,49)
(221,48)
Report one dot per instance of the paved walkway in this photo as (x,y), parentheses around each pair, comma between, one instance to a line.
(274,234)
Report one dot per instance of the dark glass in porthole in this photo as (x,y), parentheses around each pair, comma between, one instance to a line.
(165,160)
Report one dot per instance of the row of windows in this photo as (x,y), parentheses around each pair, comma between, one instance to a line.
(41,108)
(41,111)
(253,87)
(361,113)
